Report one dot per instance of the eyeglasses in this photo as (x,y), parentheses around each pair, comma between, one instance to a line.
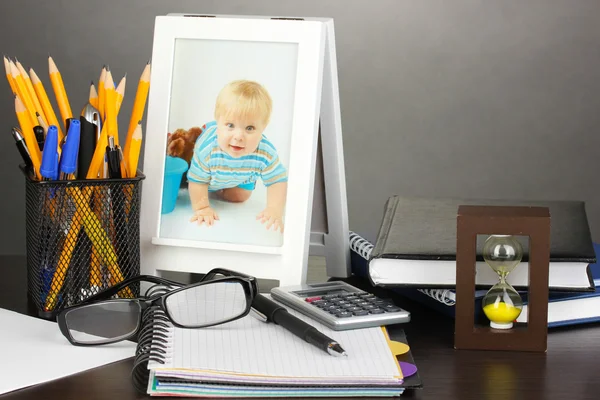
(221,296)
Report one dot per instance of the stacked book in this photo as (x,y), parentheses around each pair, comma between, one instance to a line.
(415,254)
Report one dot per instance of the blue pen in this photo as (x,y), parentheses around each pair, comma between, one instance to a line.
(49,167)
(70,150)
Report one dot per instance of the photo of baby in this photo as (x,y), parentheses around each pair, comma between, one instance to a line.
(227,155)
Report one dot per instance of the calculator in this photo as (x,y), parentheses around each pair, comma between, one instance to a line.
(340,306)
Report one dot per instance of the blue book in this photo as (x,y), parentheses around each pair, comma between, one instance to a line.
(564,308)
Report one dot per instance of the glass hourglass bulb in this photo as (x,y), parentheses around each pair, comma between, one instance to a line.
(502,304)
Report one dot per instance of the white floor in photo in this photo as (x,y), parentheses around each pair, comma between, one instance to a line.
(237,221)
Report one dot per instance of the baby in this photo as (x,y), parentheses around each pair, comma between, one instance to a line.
(232,153)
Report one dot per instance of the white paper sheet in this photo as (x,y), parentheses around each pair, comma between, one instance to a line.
(33,351)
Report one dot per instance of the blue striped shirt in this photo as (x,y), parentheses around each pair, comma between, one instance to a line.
(213,166)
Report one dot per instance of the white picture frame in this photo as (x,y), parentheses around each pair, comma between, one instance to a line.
(286,261)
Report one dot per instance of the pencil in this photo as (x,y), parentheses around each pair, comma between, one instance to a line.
(30,141)
(42,123)
(139,104)
(101,94)
(93,97)
(110,106)
(45,102)
(59,91)
(120,93)
(134,151)
(23,93)
(36,103)
(9,77)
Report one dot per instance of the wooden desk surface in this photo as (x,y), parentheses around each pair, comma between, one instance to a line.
(569,370)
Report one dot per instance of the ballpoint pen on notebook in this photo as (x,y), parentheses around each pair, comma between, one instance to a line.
(280,315)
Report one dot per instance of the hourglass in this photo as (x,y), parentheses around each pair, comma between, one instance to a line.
(499,225)
(502,304)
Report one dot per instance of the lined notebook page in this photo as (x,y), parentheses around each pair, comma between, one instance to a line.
(250,346)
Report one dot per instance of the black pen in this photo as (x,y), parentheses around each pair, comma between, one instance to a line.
(40,136)
(280,315)
(22,147)
(114,159)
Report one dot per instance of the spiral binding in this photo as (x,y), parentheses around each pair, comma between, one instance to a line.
(153,341)
(363,247)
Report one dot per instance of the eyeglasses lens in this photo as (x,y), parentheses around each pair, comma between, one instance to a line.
(103,322)
(207,304)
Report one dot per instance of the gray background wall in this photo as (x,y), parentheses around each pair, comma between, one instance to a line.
(439,98)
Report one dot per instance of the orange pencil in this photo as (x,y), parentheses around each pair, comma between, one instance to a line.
(110,109)
(9,77)
(120,93)
(139,104)
(36,103)
(59,91)
(23,93)
(134,151)
(45,102)
(101,93)
(93,98)
(28,135)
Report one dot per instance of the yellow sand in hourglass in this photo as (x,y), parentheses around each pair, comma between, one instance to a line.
(502,304)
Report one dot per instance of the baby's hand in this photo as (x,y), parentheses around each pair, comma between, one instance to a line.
(205,215)
(273,217)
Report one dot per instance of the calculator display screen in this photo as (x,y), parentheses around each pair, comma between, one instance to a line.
(320,292)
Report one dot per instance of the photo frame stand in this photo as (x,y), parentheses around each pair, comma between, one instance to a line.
(289,263)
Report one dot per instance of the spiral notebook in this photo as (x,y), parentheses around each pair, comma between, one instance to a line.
(248,357)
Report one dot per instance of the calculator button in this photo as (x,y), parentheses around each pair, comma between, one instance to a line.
(335,311)
(391,308)
(360,312)
(362,303)
(367,296)
(380,301)
(312,299)
(369,307)
(344,314)
(342,303)
(376,311)
(318,302)
(330,307)
(351,298)
(353,309)
(330,297)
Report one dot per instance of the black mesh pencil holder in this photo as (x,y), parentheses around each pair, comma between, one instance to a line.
(82,236)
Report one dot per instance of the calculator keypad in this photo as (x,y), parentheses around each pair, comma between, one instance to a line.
(352,304)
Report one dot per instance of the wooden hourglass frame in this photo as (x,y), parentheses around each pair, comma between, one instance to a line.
(502,220)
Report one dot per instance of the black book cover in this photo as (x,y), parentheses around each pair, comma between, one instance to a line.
(422,228)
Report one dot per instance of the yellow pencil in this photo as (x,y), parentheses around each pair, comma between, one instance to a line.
(110,106)
(23,93)
(45,102)
(27,130)
(42,123)
(101,94)
(9,77)
(139,104)
(36,103)
(93,98)
(134,151)
(59,91)
(120,93)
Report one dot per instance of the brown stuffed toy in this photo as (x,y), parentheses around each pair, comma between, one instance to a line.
(181,143)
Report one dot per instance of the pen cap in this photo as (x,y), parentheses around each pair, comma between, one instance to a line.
(48,169)
(39,133)
(68,160)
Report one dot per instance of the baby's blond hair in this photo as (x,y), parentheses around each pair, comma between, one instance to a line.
(244,99)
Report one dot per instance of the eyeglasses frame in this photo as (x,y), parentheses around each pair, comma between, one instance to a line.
(249,285)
